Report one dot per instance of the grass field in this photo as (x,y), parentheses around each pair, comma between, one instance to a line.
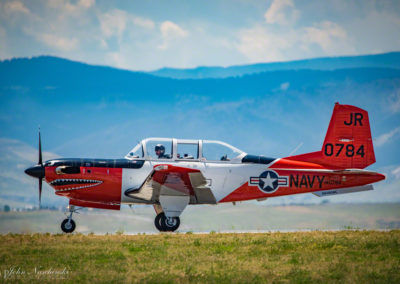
(342,256)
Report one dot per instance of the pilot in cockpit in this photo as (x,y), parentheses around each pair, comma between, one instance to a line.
(160,152)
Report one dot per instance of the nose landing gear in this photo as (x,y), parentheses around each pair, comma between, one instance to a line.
(68,225)
(166,224)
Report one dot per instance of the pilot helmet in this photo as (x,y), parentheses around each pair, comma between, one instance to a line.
(160,147)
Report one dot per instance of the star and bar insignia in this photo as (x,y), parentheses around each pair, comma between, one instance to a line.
(269,181)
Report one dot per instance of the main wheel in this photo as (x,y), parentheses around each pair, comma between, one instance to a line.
(170,224)
(165,224)
(68,226)
(157,222)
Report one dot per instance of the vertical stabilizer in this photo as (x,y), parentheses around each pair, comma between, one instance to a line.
(348,142)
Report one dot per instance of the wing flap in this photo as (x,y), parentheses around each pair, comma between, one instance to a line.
(201,189)
(174,188)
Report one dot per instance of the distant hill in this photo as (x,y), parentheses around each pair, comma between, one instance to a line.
(385,60)
(56,80)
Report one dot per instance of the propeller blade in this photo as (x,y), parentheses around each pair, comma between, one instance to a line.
(40,150)
(40,192)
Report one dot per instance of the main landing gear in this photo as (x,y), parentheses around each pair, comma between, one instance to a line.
(68,225)
(166,224)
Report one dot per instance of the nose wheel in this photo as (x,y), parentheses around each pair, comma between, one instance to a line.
(166,224)
(68,225)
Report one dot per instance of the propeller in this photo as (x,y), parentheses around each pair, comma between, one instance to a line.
(40,192)
(41,164)
(38,171)
(40,150)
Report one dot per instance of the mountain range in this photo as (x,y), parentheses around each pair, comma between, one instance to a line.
(385,60)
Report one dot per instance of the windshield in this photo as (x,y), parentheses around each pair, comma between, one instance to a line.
(136,152)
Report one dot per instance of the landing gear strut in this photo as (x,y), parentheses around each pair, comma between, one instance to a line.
(166,224)
(68,225)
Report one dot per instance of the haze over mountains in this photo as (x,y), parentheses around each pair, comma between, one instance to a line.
(385,60)
(269,109)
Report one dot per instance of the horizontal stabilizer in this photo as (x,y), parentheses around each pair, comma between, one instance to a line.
(343,190)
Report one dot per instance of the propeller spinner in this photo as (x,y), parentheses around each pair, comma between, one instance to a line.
(38,171)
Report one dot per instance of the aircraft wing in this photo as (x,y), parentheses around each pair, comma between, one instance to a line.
(174,188)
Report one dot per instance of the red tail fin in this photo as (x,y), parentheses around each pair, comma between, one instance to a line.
(348,142)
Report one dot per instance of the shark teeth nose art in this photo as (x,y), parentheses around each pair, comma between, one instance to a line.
(74,183)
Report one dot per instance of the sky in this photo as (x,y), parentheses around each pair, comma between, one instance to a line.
(147,35)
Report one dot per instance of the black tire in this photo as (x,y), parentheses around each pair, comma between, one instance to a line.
(68,227)
(157,222)
(170,224)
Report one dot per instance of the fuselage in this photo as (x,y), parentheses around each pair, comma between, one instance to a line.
(106,181)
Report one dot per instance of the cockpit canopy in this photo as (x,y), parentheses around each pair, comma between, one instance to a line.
(183,149)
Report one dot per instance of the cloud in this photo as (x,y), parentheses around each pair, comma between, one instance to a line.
(56,26)
(86,3)
(3,43)
(118,59)
(144,23)
(118,24)
(59,42)
(65,6)
(170,32)
(281,12)
(263,43)
(16,7)
(394,101)
(384,138)
(278,39)
(53,40)
(396,172)
(3,32)
(228,107)
(329,36)
(22,152)
(113,23)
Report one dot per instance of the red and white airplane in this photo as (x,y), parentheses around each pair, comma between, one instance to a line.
(173,173)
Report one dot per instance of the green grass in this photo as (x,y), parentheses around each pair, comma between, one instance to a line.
(318,257)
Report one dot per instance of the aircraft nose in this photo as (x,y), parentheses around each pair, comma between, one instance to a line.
(36,171)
